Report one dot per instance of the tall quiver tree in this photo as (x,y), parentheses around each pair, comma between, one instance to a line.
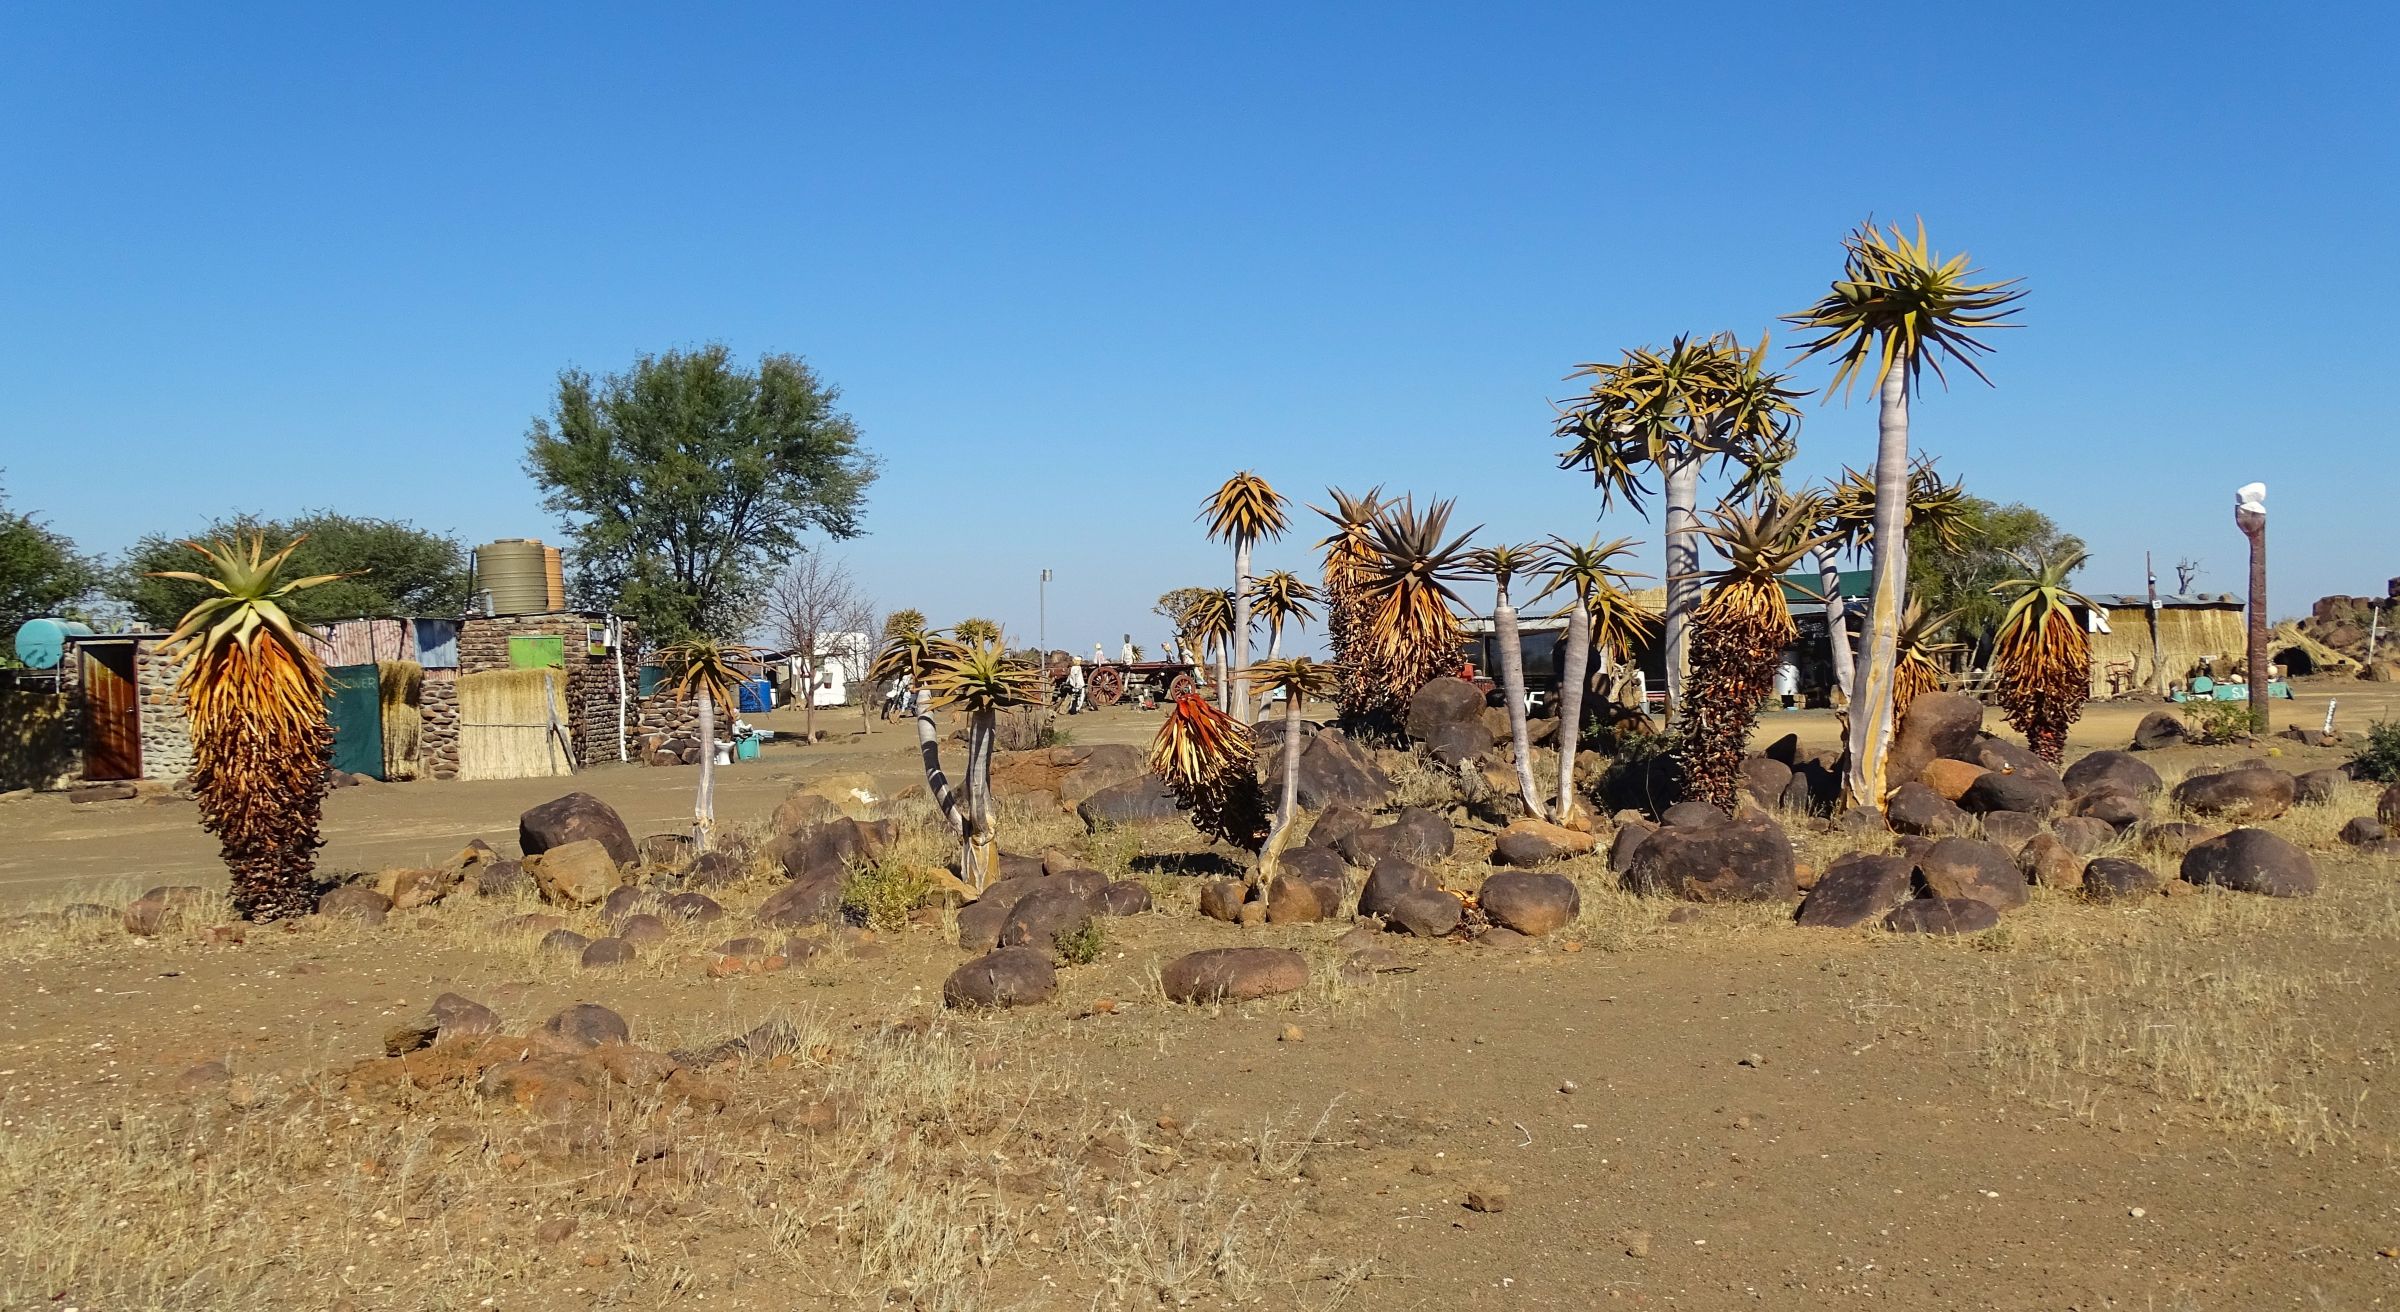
(1504,563)
(1282,599)
(1846,522)
(710,673)
(1601,615)
(255,698)
(1673,412)
(1412,634)
(1349,552)
(1244,511)
(1897,306)
(1300,680)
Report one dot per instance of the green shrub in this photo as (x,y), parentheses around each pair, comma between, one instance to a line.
(2379,760)
(1082,945)
(883,893)
(2217,722)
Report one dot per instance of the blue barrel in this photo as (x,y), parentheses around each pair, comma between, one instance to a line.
(42,643)
(757,696)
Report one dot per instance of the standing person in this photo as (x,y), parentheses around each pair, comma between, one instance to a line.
(1787,681)
(895,696)
(1075,687)
(1126,653)
(1099,657)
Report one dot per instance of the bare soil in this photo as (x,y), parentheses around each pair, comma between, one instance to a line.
(2178,1104)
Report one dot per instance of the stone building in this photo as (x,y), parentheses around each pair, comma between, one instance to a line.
(122,718)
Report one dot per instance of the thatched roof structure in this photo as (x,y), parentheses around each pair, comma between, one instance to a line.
(2197,632)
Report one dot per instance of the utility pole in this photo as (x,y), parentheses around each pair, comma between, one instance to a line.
(2250,514)
(1042,629)
(2158,666)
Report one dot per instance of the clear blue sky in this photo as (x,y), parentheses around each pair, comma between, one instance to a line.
(1074,264)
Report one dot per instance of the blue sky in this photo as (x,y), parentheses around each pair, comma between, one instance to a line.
(1074,264)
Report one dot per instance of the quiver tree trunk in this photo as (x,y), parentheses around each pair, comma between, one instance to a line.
(1871,696)
(1574,664)
(979,853)
(704,802)
(1237,702)
(1837,622)
(1512,686)
(1682,571)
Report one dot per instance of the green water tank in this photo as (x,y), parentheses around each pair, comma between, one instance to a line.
(515,573)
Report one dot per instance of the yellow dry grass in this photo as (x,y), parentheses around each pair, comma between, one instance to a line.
(504,724)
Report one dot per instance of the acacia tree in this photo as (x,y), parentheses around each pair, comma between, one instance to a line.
(683,479)
(1673,412)
(1898,306)
(384,567)
(814,595)
(1504,563)
(1243,511)
(41,572)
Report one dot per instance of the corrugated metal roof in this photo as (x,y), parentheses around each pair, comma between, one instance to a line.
(2141,601)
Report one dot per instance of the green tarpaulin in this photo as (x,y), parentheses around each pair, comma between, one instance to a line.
(356,709)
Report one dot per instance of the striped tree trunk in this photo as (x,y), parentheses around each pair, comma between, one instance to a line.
(1574,664)
(1238,703)
(1512,686)
(1683,570)
(1837,621)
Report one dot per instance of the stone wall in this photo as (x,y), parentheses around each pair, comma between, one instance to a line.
(593,687)
(166,732)
(437,742)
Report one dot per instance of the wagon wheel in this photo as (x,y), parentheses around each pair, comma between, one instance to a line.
(1182,686)
(1104,686)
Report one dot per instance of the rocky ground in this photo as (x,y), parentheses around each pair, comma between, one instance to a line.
(2110,1036)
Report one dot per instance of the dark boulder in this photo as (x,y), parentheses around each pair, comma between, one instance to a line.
(831,847)
(2387,807)
(1973,869)
(1125,897)
(1415,834)
(2119,811)
(1937,724)
(1693,815)
(2246,792)
(2114,879)
(2000,756)
(2176,837)
(1441,704)
(2364,830)
(1538,843)
(2158,731)
(1855,890)
(1333,772)
(571,819)
(1630,837)
(1008,977)
(1457,744)
(1392,879)
(1530,904)
(1040,920)
(2319,787)
(2046,861)
(2085,835)
(355,901)
(2252,861)
(1221,899)
(2010,829)
(1766,780)
(1426,913)
(588,1025)
(1336,823)
(1743,860)
(1996,790)
(2110,771)
(503,879)
(812,900)
(1915,809)
(1942,915)
(604,952)
(1135,801)
(1233,974)
(1308,890)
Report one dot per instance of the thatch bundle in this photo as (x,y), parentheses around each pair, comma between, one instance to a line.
(400,688)
(511,725)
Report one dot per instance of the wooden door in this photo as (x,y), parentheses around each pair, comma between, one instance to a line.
(112,713)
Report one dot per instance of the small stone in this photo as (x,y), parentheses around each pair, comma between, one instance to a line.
(1569,1086)
(555,1230)
(1637,1243)
(1491,1199)
(1291,1034)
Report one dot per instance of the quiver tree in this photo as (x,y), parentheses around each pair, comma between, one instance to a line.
(1282,599)
(976,630)
(1674,412)
(1349,549)
(1601,616)
(1209,760)
(1412,633)
(1208,619)
(1896,307)
(1739,636)
(1504,563)
(2042,660)
(1846,516)
(255,697)
(1243,511)
(980,680)
(710,673)
(1300,680)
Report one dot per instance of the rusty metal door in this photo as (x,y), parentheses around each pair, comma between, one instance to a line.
(112,713)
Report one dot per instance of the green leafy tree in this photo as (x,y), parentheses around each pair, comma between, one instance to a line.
(1987,549)
(41,572)
(684,479)
(387,567)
